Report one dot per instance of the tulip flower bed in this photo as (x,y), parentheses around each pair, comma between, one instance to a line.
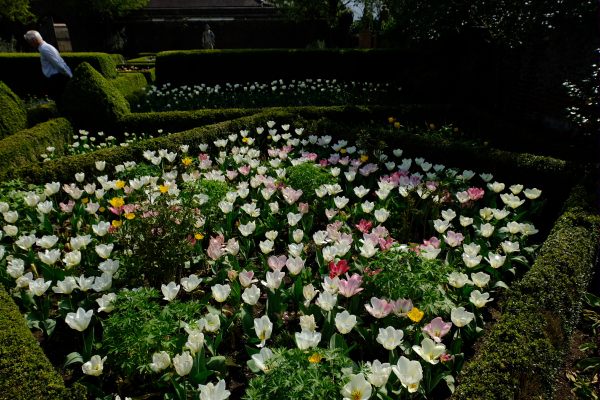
(265,94)
(267,264)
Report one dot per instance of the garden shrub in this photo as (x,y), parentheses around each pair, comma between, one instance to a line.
(25,147)
(523,351)
(26,372)
(308,177)
(91,101)
(159,237)
(13,116)
(130,84)
(296,374)
(141,324)
(408,276)
(22,71)
(215,191)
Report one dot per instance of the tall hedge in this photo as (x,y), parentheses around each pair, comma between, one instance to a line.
(13,116)
(24,147)
(23,72)
(25,372)
(130,84)
(91,101)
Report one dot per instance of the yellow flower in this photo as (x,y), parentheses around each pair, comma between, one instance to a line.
(391,120)
(163,188)
(397,125)
(415,315)
(117,202)
(244,140)
(116,223)
(102,209)
(269,137)
(187,161)
(364,158)
(315,358)
(199,236)
(343,151)
(120,184)
(130,216)
(85,200)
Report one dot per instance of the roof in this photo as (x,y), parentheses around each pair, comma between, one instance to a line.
(203,4)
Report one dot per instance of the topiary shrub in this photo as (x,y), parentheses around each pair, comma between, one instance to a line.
(13,116)
(91,101)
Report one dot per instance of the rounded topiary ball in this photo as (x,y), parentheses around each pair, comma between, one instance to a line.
(91,101)
(13,116)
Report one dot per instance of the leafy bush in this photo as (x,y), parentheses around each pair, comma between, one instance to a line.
(139,326)
(158,233)
(215,191)
(13,116)
(408,276)
(298,374)
(308,177)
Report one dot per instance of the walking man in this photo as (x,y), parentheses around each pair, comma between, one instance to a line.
(53,66)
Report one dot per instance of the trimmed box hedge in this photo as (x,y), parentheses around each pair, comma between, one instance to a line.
(91,101)
(177,121)
(13,116)
(25,146)
(521,354)
(23,72)
(25,370)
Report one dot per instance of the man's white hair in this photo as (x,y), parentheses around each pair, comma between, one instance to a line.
(32,36)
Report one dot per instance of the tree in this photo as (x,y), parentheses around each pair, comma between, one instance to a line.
(310,10)
(15,11)
(104,9)
(507,22)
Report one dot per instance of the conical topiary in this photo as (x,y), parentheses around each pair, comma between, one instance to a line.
(13,116)
(90,101)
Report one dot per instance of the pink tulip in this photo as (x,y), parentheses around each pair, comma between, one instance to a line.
(350,286)
(437,329)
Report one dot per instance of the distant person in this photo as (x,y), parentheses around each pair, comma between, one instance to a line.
(53,66)
(208,38)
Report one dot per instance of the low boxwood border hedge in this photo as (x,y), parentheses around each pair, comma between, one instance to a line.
(177,121)
(24,147)
(521,354)
(26,372)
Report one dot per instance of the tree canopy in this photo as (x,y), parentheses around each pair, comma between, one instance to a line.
(25,11)
(15,11)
